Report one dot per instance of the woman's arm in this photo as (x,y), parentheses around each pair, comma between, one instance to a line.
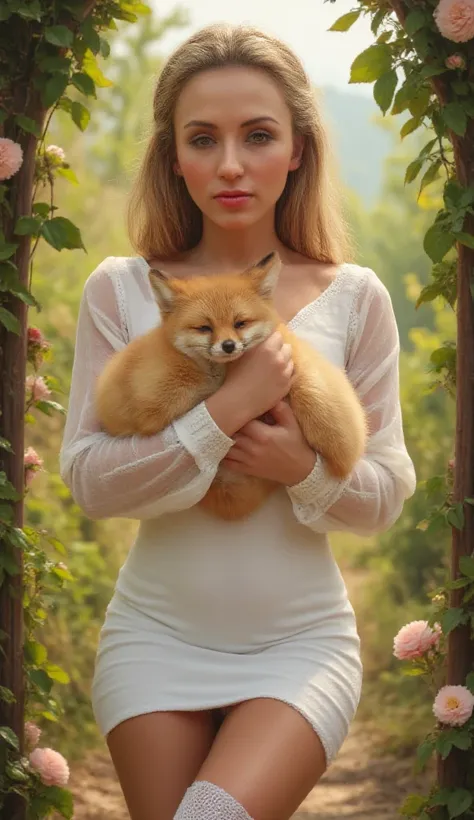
(133,476)
(372,498)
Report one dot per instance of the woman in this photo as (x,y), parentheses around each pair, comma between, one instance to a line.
(249,620)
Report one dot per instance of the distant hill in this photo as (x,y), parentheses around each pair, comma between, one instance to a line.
(361,144)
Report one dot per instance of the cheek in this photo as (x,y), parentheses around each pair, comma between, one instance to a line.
(196,169)
(271,166)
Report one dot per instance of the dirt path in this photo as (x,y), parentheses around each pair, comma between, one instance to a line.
(358,786)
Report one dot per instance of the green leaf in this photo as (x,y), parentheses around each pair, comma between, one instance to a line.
(9,563)
(27,225)
(61,233)
(384,89)
(90,66)
(57,674)
(28,125)
(5,445)
(402,98)
(451,619)
(52,64)
(432,71)
(466,239)
(80,115)
(7,250)
(424,752)
(371,64)
(7,490)
(455,118)
(413,671)
(84,83)
(377,20)
(104,47)
(89,35)
(46,406)
(6,513)
(9,321)
(413,804)
(35,652)
(63,573)
(455,516)
(428,293)
(431,175)
(409,126)
(459,802)
(62,800)
(9,736)
(444,745)
(41,680)
(466,565)
(59,36)
(438,242)
(29,11)
(414,21)
(54,89)
(345,22)
(461,739)
(68,174)
(6,695)
(412,171)
(470,682)
(42,209)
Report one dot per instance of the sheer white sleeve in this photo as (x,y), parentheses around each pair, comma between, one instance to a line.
(133,476)
(372,498)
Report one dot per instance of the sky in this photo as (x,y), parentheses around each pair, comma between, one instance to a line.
(303,24)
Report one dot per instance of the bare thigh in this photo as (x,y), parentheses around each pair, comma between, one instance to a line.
(157,756)
(267,756)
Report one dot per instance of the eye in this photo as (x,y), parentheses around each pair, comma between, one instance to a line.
(204,329)
(241,323)
(202,141)
(259,137)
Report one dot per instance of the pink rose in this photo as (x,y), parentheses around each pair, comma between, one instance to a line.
(35,337)
(414,639)
(32,464)
(455,61)
(32,734)
(11,158)
(51,766)
(55,153)
(455,19)
(453,705)
(38,388)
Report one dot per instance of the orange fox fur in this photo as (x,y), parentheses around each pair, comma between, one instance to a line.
(163,374)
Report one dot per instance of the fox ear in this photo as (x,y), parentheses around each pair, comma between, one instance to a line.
(162,288)
(265,274)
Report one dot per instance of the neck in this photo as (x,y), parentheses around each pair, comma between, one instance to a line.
(230,250)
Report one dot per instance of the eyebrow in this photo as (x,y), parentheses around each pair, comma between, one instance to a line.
(253,121)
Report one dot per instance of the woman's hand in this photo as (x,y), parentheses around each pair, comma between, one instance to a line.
(277,452)
(261,377)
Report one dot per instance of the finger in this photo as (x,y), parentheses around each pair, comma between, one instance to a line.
(234,466)
(255,432)
(283,414)
(287,352)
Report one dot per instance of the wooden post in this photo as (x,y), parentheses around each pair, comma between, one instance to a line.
(12,413)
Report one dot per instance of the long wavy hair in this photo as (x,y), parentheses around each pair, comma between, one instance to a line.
(163,220)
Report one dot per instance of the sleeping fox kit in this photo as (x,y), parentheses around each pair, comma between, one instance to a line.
(207,322)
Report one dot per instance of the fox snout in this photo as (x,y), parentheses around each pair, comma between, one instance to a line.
(227,348)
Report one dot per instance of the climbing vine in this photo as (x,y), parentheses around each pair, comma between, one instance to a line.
(49,61)
(422,68)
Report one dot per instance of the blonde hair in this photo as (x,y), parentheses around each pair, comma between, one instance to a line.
(163,220)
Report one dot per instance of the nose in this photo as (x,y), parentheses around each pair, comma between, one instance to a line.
(230,166)
(228,346)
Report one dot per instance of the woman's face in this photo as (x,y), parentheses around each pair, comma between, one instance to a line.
(234,144)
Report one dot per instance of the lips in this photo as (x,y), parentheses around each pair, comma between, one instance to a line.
(233,199)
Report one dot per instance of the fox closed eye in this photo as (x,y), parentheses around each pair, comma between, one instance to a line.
(204,328)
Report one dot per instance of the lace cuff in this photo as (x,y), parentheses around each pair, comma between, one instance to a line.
(201,437)
(316,493)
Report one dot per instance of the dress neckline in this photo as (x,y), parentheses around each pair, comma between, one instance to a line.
(307,310)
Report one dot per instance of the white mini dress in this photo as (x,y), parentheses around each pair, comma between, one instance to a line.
(208,613)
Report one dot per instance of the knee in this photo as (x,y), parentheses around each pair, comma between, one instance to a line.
(206,801)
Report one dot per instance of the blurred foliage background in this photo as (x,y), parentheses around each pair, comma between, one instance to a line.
(389,577)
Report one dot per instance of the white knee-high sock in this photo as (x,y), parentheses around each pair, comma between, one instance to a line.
(206,801)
